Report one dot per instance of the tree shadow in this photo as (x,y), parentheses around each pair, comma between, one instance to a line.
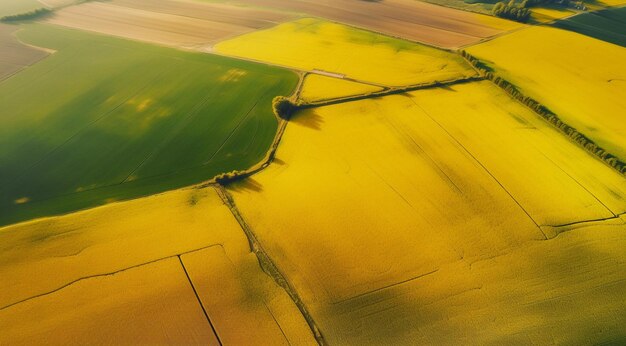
(248,184)
(278,161)
(309,118)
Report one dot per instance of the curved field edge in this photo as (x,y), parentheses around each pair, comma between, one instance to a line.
(122,123)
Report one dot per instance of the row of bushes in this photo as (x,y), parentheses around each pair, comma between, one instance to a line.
(229,177)
(548,115)
(27,15)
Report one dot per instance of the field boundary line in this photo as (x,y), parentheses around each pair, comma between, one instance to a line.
(556,230)
(199,300)
(392,91)
(580,184)
(386,287)
(266,263)
(106,274)
(483,167)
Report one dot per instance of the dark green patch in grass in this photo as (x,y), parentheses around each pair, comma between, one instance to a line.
(106,119)
(608,25)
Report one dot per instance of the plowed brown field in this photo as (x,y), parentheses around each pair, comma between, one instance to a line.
(172,23)
(409,19)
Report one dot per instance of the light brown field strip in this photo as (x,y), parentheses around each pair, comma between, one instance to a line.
(409,19)
(14,55)
(171,23)
(223,13)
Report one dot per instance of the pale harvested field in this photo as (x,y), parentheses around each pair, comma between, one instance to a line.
(152,304)
(579,78)
(116,267)
(394,212)
(172,23)
(317,88)
(14,55)
(409,19)
(313,44)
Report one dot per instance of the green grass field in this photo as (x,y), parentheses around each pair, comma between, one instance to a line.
(608,25)
(106,119)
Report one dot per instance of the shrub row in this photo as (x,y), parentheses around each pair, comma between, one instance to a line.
(229,177)
(584,141)
(512,11)
(27,15)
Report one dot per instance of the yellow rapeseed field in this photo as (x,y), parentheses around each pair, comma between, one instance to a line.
(378,194)
(568,290)
(581,79)
(313,44)
(552,178)
(152,304)
(395,204)
(243,302)
(317,87)
(544,14)
(117,266)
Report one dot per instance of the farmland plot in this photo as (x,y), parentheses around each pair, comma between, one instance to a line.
(318,87)
(14,55)
(413,20)
(117,270)
(312,44)
(553,179)
(580,79)
(568,290)
(115,119)
(172,23)
(388,197)
(394,204)
(136,306)
(243,301)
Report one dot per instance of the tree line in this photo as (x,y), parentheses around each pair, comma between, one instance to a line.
(581,139)
(27,15)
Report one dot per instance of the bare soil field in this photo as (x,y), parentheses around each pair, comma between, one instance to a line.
(172,23)
(14,55)
(409,19)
